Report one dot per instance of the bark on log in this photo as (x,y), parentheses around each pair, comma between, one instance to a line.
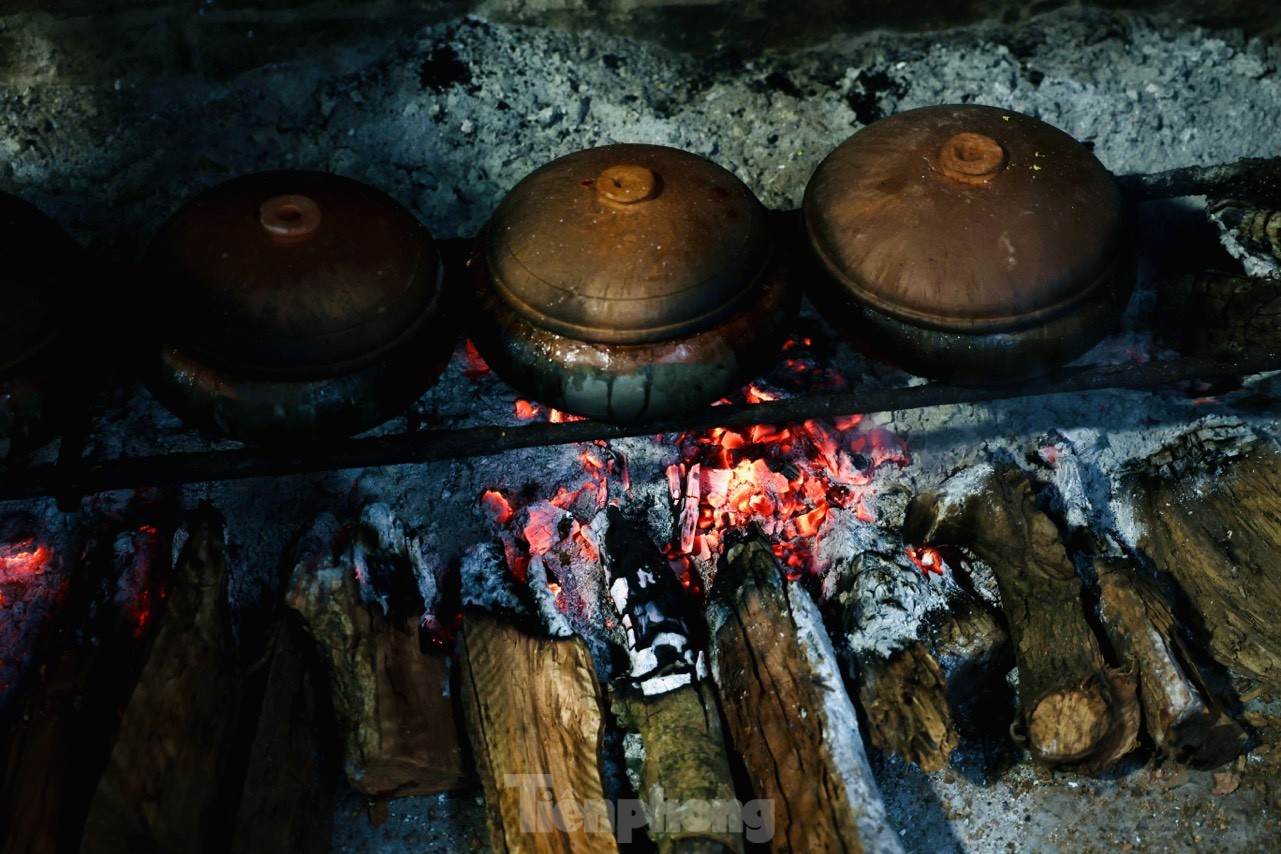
(533,711)
(1209,508)
(1074,709)
(287,803)
(787,711)
(390,698)
(972,649)
(57,732)
(162,784)
(1182,716)
(900,684)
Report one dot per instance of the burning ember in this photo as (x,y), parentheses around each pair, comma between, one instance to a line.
(783,479)
(23,559)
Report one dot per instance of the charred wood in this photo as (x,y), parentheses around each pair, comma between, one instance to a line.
(1075,710)
(390,697)
(1183,718)
(901,689)
(787,712)
(58,730)
(1210,520)
(1222,315)
(679,721)
(167,770)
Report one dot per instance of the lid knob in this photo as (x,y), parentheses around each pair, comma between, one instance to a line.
(289,217)
(627,184)
(972,158)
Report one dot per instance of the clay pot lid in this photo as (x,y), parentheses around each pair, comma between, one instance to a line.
(38,264)
(293,274)
(626,244)
(965,217)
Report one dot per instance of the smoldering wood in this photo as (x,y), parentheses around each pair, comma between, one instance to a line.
(663,699)
(162,785)
(902,691)
(175,469)
(972,649)
(1074,709)
(390,698)
(1244,178)
(1209,509)
(287,803)
(1181,715)
(533,709)
(787,712)
(58,729)
(1222,315)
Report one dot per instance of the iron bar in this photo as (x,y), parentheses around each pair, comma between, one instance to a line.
(175,469)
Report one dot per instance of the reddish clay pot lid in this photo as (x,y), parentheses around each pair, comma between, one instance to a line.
(627,244)
(293,274)
(965,217)
(37,266)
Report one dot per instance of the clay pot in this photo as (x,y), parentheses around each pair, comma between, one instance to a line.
(630,282)
(968,243)
(39,267)
(296,306)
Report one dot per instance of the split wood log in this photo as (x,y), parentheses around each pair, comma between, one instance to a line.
(901,687)
(787,711)
(1209,510)
(391,699)
(533,712)
(1182,716)
(58,731)
(162,786)
(686,784)
(1075,710)
(1222,315)
(287,803)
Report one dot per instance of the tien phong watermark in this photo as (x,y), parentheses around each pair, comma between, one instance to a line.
(542,812)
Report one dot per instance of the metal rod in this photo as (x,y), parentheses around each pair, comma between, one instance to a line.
(423,446)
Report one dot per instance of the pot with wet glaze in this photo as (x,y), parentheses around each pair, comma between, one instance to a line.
(629,282)
(296,307)
(968,243)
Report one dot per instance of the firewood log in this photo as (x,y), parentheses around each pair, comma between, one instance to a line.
(162,786)
(391,699)
(533,712)
(287,803)
(685,777)
(1183,718)
(57,732)
(1075,710)
(787,712)
(901,687)
(1209,514)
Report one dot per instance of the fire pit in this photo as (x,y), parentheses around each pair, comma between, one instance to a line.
(836,522)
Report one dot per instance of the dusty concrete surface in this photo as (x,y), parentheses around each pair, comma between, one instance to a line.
(446,117)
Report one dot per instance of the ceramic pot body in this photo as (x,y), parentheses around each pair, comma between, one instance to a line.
(630,282)
(39,267)
(296,306)
(969,244)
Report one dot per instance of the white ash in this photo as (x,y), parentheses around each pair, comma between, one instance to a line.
(1257,253)
(557,624)
(841,730)
(485,580)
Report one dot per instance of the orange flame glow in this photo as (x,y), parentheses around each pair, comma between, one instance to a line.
(927,560)
(24,559)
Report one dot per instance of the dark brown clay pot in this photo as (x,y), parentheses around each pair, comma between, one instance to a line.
(39,265)
(296,306)
(969,244)
(630,282)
